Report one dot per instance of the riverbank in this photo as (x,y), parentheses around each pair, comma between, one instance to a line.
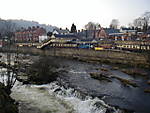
(104,56)
(7,104)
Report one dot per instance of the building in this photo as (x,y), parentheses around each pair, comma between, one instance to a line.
(30,35)
(1,43)
(128,30)
(100,34)
(61,31)
(95,34)
(63,38)
(110,31)
(116,34)
(42,38)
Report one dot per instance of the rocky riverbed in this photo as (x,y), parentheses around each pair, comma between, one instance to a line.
(124,91)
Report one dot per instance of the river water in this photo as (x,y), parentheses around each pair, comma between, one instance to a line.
(79,93)
(51,98)
(113,93)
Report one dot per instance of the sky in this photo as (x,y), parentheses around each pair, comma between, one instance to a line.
(62,13)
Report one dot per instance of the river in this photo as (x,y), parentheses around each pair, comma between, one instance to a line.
(113,93)
(79,93)
(46,99)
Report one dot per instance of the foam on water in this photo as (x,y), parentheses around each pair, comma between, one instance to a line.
(4,76)
(56,99)
(75,101)
(77,72)
(52,98)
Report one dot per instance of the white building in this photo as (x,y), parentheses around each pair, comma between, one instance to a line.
(42,38)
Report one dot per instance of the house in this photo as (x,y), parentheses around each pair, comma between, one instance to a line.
(55,32)
(63,38)
(96,34)
(129,31)
(30,34)
(82,34)
(4,41)
(116,34)
(100,34)
(110,31)
(42,38)
(87,41)
(60,31)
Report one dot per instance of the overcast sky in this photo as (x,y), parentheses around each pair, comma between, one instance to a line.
(63,13)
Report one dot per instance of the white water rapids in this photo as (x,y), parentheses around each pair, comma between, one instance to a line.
(52,98)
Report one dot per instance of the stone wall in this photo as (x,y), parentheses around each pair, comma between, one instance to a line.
(106,56)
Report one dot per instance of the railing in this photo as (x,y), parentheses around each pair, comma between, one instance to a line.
(44,44)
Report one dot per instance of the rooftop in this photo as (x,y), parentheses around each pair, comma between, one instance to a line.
(65,36)
(111,30)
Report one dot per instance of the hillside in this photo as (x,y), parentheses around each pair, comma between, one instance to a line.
(26,24)
(13,25)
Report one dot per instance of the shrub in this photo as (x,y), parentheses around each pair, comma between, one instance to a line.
(43,71)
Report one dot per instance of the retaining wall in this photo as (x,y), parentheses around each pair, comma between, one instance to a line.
(106,56)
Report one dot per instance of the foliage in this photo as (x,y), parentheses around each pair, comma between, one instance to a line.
(92,26)
(49,34)
(6,103)
(10,73)
(73,29)
(7,28)
(142,22)
(43,71)
(114,23)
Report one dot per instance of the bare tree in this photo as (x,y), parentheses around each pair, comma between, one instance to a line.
(8,71)
(73,29)
(92,26)
(114,23)
(130,25)
(142,22)
(10,28)
(7,28)
(139,22)
(146,15)
(9,76)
